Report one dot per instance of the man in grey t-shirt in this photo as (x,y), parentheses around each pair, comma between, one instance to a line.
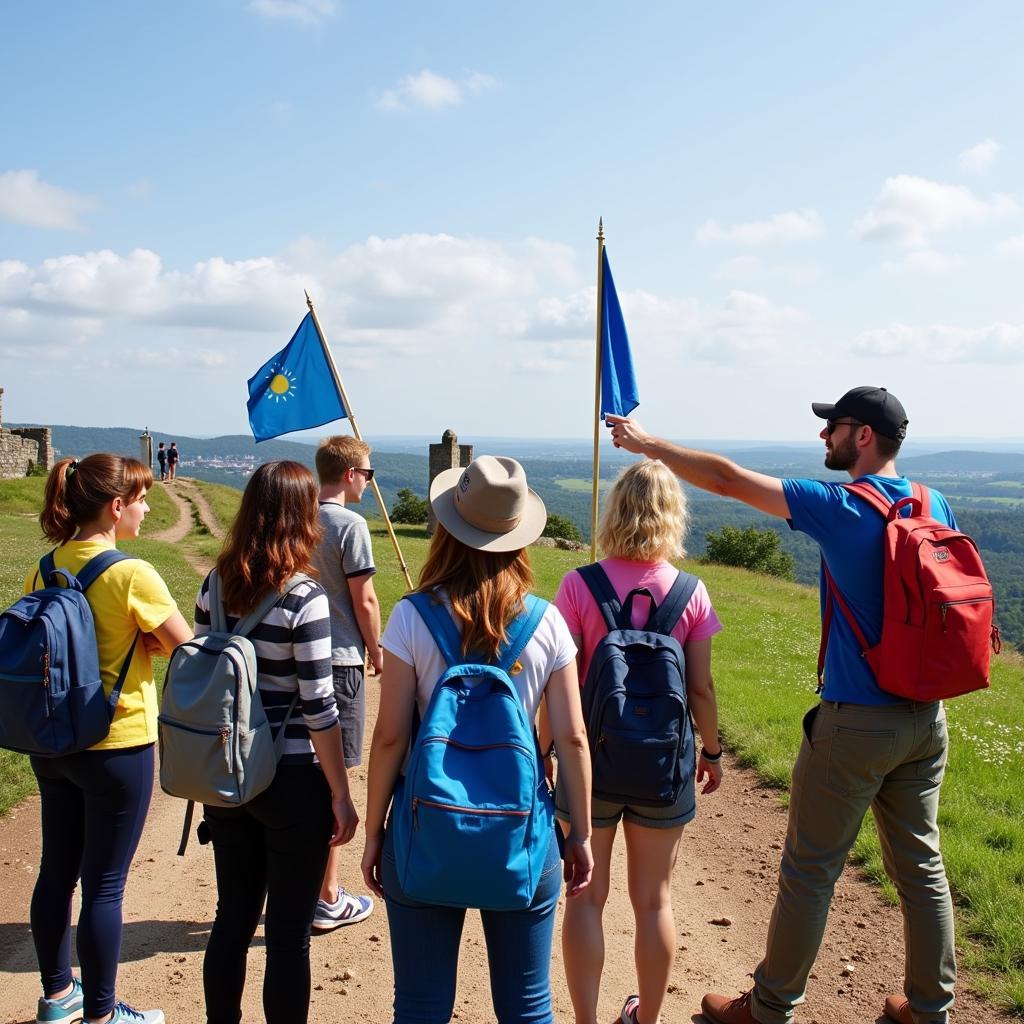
(344,560)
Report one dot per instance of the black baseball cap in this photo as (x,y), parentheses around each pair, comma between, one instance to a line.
(881,411)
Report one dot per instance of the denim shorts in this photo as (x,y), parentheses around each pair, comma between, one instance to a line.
(604,814)
(350,694)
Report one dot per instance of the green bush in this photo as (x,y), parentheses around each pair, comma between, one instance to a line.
(750,548)
(409,508)
(561,528)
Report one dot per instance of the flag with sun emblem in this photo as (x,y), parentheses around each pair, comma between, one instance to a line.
(295,389)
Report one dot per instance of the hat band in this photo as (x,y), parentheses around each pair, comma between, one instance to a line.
(490,524)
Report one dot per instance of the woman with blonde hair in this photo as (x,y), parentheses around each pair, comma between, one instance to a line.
(642,527)
(478,576)
(94,802)
(273,849)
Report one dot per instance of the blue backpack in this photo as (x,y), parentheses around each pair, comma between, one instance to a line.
(51,694)
(473,815)
(634,698)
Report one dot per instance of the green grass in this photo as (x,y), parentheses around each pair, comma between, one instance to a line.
(764,674)
(224,501)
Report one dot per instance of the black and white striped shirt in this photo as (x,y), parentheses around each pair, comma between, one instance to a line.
(293,652)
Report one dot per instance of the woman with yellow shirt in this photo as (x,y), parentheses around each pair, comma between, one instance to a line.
(94,803)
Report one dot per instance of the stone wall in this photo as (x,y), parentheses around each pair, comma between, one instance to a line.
(23,448)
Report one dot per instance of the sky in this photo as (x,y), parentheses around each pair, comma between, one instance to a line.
(797,198)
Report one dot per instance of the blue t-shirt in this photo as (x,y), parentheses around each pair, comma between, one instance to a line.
(849,532)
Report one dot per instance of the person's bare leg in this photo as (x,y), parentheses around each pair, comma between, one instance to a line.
(582,933)
(651,859)
(329,886)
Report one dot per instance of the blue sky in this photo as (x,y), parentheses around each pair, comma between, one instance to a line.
(798,198)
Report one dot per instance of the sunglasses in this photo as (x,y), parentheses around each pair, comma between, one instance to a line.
(368,473)
(830,425)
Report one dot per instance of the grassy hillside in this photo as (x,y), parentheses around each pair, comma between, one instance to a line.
(764,672)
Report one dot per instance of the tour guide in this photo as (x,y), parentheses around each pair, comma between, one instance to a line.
(861,746)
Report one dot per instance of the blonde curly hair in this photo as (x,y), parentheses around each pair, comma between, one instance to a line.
(645,517)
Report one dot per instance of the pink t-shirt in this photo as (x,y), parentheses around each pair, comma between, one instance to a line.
(584,619)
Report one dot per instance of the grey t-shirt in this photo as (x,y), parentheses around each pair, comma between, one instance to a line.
(344,553)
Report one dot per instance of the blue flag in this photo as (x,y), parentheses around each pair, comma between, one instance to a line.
(295,389)
(619,393)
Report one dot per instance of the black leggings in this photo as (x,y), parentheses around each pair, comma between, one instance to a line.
(93,805)
(273,848)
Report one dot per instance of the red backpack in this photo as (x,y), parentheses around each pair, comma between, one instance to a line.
(937,628)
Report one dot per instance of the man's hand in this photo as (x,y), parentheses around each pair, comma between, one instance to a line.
(628,434)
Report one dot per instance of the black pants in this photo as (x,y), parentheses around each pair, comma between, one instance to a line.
(273,848)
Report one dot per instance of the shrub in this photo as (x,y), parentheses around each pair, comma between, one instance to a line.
(750,548)
(409,508)
(561,528)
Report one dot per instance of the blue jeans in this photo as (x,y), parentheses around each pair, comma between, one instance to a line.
(425,950)
(93,805)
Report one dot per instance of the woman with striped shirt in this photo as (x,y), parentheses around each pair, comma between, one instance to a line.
(274,848)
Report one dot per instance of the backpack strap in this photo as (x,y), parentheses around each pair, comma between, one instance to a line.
(834,598)
(666,617)
(603,593)
(919,495)
(248,623)
(521,629)
(440,624)
(218,617)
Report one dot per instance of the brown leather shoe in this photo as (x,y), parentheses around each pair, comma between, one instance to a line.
(897,1008)
(728,1009)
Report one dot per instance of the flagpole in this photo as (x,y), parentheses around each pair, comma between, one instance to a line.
(355,430)
(597,389)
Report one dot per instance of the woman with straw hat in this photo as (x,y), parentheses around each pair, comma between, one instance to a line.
(479,569)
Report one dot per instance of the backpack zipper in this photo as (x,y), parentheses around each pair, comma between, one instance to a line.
(483,746)
(488,811)
(946,605)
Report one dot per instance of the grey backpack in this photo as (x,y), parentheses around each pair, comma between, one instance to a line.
(215,741)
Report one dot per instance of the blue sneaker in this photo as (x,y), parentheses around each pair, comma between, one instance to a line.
(61,1011)
(125,1014)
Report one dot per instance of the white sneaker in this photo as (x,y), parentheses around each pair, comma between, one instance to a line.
(346,909)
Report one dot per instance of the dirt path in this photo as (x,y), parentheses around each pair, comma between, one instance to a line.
(188,499)
(727,870)
(207,516)
(179,530)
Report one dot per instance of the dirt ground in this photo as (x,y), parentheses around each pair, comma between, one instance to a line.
(726,873)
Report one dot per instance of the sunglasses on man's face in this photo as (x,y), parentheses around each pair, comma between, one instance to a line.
(368,473)
(830,425)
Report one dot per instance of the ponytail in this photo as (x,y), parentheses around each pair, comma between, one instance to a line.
(77,491)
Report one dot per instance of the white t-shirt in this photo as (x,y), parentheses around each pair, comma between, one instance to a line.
(550,648)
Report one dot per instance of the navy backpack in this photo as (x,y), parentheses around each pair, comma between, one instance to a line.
(51,693)
(634,698)
(473,816)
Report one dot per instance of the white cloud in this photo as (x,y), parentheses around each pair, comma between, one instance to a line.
(923,261)
(994,343)
(791,226)
(911,209)
(1012,246)
(431,91)
(306,12)
(26,199)
(980,157)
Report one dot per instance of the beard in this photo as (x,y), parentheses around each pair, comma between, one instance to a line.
(842,457)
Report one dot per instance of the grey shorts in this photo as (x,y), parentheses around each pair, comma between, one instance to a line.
(604,814)
(350,693)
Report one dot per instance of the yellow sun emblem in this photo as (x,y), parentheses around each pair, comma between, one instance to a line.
(282,385)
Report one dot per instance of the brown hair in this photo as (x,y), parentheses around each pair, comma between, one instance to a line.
(273,535)
(336,454)
(887,447)
(77,491)
(486,588)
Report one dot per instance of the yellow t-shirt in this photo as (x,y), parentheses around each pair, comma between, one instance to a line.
(128,597)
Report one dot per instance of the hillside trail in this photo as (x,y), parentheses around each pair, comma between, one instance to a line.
(188,499)
(723,889)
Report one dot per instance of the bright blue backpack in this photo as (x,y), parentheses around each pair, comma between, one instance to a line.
(51,694)
(473,816)
(634,698)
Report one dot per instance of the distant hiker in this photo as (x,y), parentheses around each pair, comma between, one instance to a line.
(161,457)
(473,603)
(344,563)
(172,460)
(94,803)
(273,849)
(862,746)
(643,525)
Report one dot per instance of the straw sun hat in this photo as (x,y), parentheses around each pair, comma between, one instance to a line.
(488,505)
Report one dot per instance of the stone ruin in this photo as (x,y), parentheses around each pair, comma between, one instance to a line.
(449,454)
(23,449)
